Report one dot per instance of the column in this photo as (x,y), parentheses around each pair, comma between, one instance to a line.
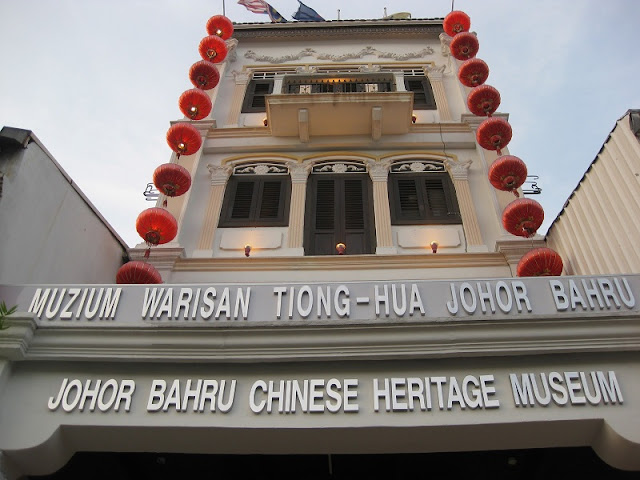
(219,177)
(299,174)
(435,75)
(379,172)
(232,43)
(242,79)
(459,171)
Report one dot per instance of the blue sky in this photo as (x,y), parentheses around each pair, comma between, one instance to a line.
(98,81)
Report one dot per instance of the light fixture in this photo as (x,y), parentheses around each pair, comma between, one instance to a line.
(247,250)
(434,246)
(341,248)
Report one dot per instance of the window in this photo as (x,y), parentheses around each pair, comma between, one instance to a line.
(339,83)
(423,98)
(339,210)
(421,193)
(255,98)
(257,196)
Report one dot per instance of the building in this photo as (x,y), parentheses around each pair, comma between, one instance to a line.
(47,222)
(600,207)
(265,349)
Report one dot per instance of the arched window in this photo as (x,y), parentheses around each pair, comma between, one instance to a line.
(421,193)
(339,209)
(257,195)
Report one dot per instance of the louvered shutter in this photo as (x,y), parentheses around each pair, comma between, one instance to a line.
(422,198)
(423,98)
(338,210)
(270,204)
(254,201)
(242,201)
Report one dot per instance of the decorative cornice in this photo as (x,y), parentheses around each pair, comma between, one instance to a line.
(15,341)
(513,248)
(232,44)
(339,262)
(161,256)
(379,171)
(445,41)
(356,29)
(241,78)
(299,173)
(435,73)
(323,340)
(310,52)
(219,175)
(458,170)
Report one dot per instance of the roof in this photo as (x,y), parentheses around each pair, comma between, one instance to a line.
(634,124)
(12,138)
(393,28)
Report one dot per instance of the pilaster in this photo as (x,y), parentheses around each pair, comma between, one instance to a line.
(299,175)
(379,172)
(241,79)
(219,177)
(459,175)
(232,43)
(435,75)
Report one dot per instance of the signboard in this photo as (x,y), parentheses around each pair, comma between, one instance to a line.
(337,303)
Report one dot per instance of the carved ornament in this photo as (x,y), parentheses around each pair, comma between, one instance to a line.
(310,52)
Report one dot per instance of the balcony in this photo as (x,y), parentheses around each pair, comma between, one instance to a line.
(323,105)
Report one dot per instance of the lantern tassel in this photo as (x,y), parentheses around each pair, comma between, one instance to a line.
(147,252)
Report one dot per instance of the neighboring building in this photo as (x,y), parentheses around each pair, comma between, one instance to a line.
(596,231)
(298,356)
(47,223)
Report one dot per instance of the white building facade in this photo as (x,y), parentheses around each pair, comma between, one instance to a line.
(354,133)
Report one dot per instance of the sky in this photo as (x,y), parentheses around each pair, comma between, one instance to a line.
(98,81)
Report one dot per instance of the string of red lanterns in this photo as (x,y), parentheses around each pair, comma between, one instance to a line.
(156,225)
(522,217)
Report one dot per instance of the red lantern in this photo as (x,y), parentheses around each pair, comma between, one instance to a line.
(523,217)
(213,49)
(483,100)
(464,46)
(221,26)
(204,75)
(171,179)
(136,272)
(456,22)
(494,134)
(508,173)
(473,72)
(195,104)
(156,226)
(184,139)
(540,262)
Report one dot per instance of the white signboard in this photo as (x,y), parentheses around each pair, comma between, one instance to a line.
(408,301)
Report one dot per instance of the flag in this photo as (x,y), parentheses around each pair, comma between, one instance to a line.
(260,6)
(307,14)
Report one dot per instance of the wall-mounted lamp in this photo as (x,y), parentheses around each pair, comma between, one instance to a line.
(247,250)
(265,122)
(414,118)
(341,248)
(434,246)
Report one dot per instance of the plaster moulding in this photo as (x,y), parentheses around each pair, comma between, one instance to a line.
(310,52)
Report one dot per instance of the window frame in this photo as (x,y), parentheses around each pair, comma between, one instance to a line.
(254,219)
(250,95)
(423,98)
(340,230)
(425,215)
